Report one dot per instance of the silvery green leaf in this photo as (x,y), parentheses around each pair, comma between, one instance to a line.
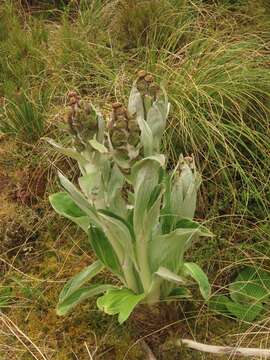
(119,301)
(147,178)
(135,102)
(65,206)
(68,152)
(136,107)
(81,278)
(115,182)
(168,250)
(153,211)
(104,250)
(188,224)
(115,199)
(184,193)
(98,146)
(159,158)
(157,124)
(101,126)
(163,103)
(90,182)
(194,270)
(147,138)
(119,236)
(79,199)
(80,295)
(168,275)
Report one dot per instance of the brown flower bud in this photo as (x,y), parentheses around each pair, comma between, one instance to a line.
(133,126)
(72,101)
(149,78)
(118,138)
(154,89)
(121,122)
(120,111)
(72,94)
(141,74)
(116,105)
(188,158)
(134,138)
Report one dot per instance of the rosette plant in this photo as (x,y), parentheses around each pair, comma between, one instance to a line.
(137,215)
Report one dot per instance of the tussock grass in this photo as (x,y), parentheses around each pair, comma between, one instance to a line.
(24,118)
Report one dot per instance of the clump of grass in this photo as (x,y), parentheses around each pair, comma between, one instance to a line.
(24,117)
(149,23)
(23,45)
(220,96)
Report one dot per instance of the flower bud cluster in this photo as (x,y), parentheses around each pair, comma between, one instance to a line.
(148,89)
(124,130)
(82,120)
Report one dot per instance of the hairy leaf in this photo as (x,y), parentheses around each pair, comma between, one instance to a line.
(81,278)
(80,295)
(104,250)
(64,205)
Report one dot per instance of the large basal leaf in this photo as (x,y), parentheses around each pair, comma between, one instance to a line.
(119,301)
(104,251)
(193,270)
(80,279)
(80,295)
(250,285)
(65,206)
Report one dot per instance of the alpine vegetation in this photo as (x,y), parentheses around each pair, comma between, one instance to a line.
(136,213)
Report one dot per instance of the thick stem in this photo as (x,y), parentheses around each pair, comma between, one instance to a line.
(154,292)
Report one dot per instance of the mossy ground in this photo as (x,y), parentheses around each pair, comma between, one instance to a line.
(214,60)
